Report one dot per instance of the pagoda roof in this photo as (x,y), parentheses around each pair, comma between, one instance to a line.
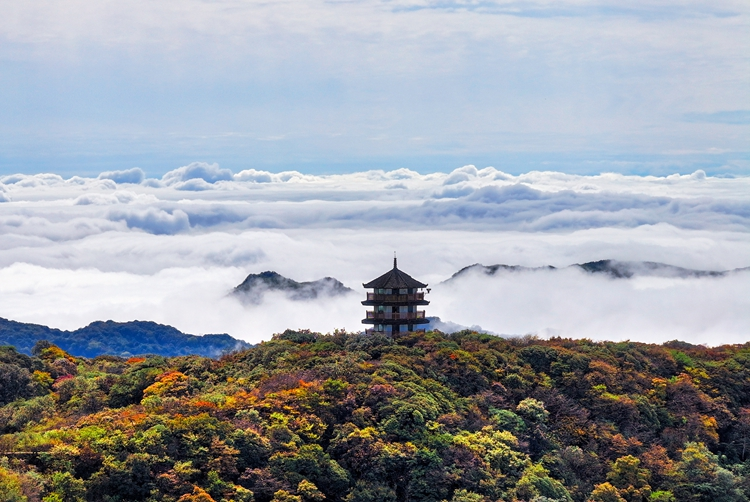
(394,279)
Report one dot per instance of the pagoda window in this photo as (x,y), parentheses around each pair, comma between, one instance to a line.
(403,328)
(402,291)
(381,291)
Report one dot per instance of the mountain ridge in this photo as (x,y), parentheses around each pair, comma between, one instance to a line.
(613,268)
(118,338)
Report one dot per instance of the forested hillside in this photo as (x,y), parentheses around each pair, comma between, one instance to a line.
(343,417)
(118,338)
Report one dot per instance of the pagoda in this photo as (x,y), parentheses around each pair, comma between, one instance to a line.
(395,300)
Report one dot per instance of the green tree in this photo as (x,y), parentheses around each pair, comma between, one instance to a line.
(67,488)
(533,411)
(662,496)
(535,416)
(371,491)
(312,464)
(701,478)
(15,382)
(536,482)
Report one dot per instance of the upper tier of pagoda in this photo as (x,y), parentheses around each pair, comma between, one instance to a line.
(394,279)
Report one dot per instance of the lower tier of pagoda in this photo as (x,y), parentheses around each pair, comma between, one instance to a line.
(374,331)
(396,318)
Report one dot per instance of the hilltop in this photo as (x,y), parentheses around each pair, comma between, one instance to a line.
(346,417)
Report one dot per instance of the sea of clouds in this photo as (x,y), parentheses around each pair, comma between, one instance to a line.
(123,246)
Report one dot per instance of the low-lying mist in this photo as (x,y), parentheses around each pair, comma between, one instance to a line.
(574,303)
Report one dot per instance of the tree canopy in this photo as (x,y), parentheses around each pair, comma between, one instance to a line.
(347,417)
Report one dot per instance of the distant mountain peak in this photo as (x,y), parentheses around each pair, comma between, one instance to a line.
(252,289)
(628,269)
(613,268)
(494,269)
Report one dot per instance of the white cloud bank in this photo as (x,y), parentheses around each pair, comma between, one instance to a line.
(124,247)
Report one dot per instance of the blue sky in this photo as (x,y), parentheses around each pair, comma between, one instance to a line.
(332,87)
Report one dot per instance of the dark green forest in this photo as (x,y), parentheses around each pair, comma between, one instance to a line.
(117,338)
(306,417)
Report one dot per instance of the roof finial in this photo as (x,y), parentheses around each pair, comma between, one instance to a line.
(394,259)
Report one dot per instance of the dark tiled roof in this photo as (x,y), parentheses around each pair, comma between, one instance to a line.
(394,279)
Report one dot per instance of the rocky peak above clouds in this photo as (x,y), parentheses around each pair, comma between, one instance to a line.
(253,288)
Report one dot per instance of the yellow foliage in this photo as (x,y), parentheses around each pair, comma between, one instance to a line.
(710,427)
(171,383)
(198,495)
(54,352)
(43,378)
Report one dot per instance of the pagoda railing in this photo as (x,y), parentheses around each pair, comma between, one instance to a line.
(377,297)
(375,331)
(396,316)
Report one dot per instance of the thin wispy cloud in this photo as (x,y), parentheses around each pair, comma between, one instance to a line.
(723,117)
(308,85)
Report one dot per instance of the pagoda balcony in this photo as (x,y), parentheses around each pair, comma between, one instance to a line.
(395,316)
(376,332)
(381,298)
